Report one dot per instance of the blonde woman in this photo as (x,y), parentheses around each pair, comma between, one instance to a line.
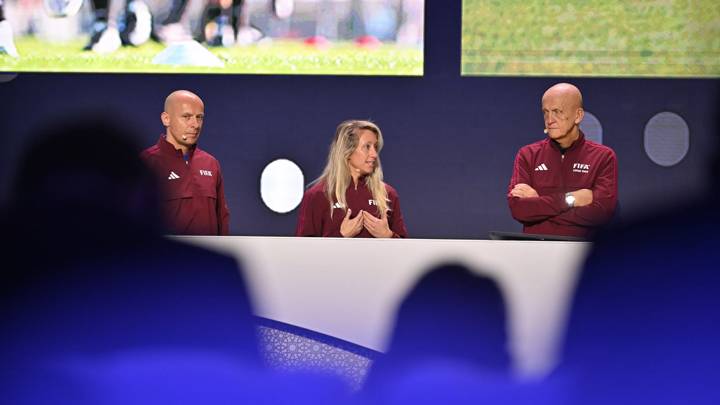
(350,198)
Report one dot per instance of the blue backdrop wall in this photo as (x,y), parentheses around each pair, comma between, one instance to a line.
(450,140)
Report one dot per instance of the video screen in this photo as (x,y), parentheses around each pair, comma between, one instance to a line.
(608,38)
(319,37)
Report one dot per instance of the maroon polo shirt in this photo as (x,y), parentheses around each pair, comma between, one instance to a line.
(543,166)
(193,195)
(314,217)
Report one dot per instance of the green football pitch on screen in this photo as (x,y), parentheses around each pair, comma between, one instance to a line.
(606,38)
(314,37)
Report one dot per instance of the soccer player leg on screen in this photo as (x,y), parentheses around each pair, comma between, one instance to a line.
(246,33)
(136,23)
(219,22)
(7,44)
(179,23)
(117,23)
(104,35)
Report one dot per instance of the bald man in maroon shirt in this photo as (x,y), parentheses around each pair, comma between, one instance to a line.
(564,184)
(194,198)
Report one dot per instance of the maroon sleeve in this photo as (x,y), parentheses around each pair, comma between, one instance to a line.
(397,222)
(532,209)
(604,192)
(223,213)
(146,157)
(310,217)
(305,225)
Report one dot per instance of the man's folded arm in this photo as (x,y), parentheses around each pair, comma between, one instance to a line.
(536,209)
(531,209)
(602,209)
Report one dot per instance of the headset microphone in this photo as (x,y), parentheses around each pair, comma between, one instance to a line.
(545,131)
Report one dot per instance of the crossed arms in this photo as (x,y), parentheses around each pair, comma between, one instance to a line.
(594,206)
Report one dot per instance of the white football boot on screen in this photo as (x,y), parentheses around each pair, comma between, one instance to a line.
(7,45)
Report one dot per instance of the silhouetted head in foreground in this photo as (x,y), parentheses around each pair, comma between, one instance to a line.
(644,324)
(450,329)
(85,177)
(94,298)
(453,313)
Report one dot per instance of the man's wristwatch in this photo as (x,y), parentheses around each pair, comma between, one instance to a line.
(570,200)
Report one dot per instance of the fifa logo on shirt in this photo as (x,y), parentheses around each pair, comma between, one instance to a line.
(372,202)
(206,173)
(581,168)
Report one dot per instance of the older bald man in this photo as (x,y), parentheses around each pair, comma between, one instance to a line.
(564,184)
(194,199)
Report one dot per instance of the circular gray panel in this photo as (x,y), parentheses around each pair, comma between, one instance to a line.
(667,139)
(592,128)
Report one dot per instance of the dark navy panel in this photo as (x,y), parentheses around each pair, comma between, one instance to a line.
(450,140)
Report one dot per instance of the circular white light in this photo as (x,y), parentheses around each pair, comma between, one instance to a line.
(667,139)
(592,128)
(282,185)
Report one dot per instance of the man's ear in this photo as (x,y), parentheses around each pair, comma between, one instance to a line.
(579,115)
(165,118)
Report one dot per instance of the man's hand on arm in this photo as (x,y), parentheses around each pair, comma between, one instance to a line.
(602,207)
(583,197)
(527,206)
(523,190)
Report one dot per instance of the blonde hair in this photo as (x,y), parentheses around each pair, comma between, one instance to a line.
(337,176)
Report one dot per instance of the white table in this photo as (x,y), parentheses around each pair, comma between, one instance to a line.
(351,288)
